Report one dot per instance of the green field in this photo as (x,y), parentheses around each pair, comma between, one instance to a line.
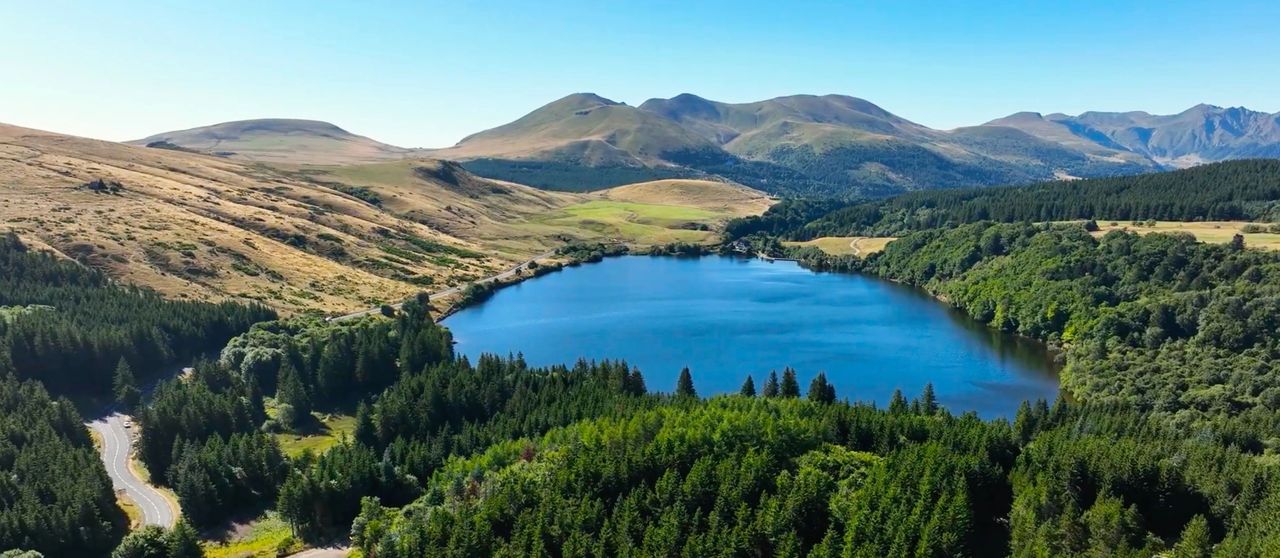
(262,538)
(1213,232)
(636,223)
(847,245)
(331,430)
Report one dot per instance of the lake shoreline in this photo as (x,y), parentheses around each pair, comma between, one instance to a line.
(722,317)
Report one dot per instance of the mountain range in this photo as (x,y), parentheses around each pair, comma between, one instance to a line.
(830,145)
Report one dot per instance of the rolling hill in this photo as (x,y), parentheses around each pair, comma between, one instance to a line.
(278,140)
(298,237)
(204,227)
(731,199)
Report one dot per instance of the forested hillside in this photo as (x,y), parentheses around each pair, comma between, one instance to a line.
(1236,190)
(1159,323)
(1167,446)
(55,496)
(69,327)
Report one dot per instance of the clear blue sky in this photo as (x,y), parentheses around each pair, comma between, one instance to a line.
(425,74)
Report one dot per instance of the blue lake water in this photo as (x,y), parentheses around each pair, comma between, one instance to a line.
(726,318)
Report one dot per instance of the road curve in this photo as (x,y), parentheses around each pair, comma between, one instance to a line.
(453,290)
(117,444)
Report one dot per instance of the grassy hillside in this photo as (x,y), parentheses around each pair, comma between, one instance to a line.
(278,140)
(316,237)
(655,213)
(860,246)
(194,226)
(585,129)
(722,197)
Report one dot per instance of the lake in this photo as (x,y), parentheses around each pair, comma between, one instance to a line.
(727,317)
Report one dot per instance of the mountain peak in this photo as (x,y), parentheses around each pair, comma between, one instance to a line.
(1201,110)
(582,100)
(1023,116)
(682,107)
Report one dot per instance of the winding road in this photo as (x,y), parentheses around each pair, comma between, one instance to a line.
(453,290)
(117,444)
(117,441)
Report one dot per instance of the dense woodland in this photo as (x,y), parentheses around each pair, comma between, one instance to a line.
(1233,190)
(55,496)
(1160,322)
(69,327)
(70,331)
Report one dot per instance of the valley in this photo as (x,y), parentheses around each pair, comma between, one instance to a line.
(758,323)
(328,398)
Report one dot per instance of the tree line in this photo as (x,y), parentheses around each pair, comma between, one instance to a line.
(69,327)
(1231,190)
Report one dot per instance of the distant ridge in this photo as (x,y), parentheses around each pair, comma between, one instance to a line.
(797,145)
(808,145)
(279,140)
(1203,133)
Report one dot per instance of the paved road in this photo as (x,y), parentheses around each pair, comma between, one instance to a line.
(453,290)
(117,444)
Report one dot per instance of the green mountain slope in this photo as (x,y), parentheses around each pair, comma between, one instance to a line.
(829,145)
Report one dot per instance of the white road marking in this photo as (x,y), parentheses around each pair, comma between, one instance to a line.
(117,446)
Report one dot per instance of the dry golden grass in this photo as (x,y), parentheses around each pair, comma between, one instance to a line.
(443,196)
(1214,232)
(298,238)
(194,226)
(847,245)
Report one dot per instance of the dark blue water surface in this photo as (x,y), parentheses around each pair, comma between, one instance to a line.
(726,318)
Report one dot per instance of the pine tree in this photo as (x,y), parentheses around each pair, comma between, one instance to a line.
(684,385)
(366,433)
(635,383)
(790,386)
(771,385)
(183,542)
(898,403)
(748,387)
(929,401)
(1195,541)
(125,386)
(820,390)
(294,394)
